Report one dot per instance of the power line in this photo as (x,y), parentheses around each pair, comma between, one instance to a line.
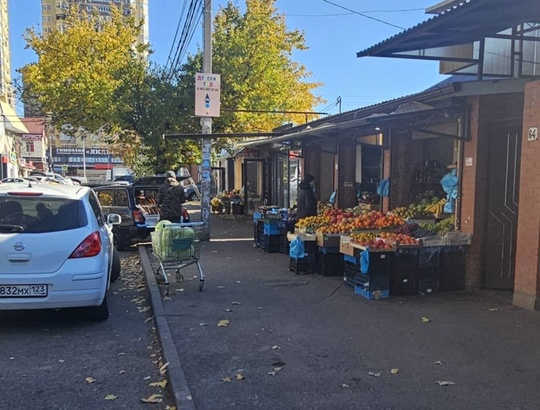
(364,15)
(176,34)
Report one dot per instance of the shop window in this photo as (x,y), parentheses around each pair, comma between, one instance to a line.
(30,147)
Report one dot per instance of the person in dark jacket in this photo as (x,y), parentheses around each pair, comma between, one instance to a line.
(170,198)
(307,203)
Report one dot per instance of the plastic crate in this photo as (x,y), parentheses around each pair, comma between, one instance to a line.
(355,260)
(257,216)
(329,264)
(381,282)
(429,257)
(368,294)
(301,265)
(350,273)
(268,248)
(271,229)
(428,286)
(452,269)
(380,263)
(329,249)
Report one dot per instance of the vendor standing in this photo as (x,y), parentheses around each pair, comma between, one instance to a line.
(307,203)
(170,198)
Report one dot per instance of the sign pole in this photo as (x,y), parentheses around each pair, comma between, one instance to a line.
(206,124)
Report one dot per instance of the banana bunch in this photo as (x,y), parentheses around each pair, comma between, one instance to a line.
(437,207)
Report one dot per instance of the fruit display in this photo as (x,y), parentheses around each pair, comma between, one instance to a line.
(311,223)
(426,207)
(370,239)
(399,238)
(339,221)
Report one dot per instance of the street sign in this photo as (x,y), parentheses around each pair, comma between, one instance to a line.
(207,95)
(64,167)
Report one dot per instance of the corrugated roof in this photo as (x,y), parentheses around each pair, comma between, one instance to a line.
(462,24)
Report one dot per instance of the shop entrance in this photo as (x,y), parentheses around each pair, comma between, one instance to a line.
(254,183)
(502,207)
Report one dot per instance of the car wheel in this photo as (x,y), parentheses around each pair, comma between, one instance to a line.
(121,241)
(116,266)
(99,313)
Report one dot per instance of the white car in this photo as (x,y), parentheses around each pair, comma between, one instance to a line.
(56,249)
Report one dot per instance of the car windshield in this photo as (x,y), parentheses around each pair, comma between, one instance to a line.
(41,214)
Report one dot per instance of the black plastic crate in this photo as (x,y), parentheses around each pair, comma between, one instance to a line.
(302,265)
(283,244)
(350,272)
(403,276)
(428,273)
(428,286)
(271,248)
(270,239)
(374,282)
(380,263)
(452,269)
(403,286)
(429,257)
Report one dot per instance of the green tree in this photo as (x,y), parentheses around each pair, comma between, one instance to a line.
(81,67)
(253,53)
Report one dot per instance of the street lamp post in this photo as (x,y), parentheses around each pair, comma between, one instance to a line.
(84,156)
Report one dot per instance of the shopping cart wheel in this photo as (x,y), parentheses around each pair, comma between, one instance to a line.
(179,277)
(201,285)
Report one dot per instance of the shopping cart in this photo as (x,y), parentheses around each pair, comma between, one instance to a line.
(177,246)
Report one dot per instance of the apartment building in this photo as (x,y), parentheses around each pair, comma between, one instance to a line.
(5,65)
(54,12)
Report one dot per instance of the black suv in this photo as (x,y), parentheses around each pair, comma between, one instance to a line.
(136,204)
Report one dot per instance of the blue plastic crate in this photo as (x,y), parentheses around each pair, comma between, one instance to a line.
(271,229)
(352,259)
(257,216)
(376,294)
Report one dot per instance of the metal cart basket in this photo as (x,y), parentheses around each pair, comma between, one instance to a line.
(177,246)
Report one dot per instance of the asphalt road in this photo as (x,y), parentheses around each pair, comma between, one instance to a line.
(56,360)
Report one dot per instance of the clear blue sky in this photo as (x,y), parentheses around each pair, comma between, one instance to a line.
(333,36)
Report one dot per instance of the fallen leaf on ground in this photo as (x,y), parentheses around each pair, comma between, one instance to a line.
(154,398)
(161,384)
(166,298)
(163,369)
(259,308)
(394,371)
(425,319)
(493,309)
(90,380)
(276,347)
(170,407)
(148,320)
(110,397)
(236,303)
(147,378)
(143,309)
(238,281)
(277,369)
(121,354)
(61,361)
(374,374)
(273,373)
(228,310)
(221,287)
(122,372)
(345,386)
(226,379)
(203,324)
(223,322)
(438,363)
(445,383)
(240,377)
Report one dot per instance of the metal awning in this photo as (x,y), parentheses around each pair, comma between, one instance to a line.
(12,121)
(466,23)
(322,130)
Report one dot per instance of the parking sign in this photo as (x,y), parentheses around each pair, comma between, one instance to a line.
(207,95)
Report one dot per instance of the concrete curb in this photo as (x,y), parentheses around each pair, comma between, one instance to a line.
(175,374)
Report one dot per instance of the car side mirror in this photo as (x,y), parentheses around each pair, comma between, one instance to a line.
(114,219)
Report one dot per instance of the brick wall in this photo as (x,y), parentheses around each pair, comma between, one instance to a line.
(527,275)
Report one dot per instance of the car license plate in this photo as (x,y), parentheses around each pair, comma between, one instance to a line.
(23,291)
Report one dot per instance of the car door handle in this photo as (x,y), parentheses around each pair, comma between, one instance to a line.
(19,257)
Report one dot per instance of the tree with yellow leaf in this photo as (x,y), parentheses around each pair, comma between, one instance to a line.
(253,53)
(81,67)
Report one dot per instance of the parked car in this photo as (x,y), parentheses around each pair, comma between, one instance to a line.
(137,206)
(52,176)
(192,194)
(12,180)
(56,249)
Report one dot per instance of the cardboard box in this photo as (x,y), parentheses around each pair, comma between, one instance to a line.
(306,237)
(346,248)
(328,240)
(458,238)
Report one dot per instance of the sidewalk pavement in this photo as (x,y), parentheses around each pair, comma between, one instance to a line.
(307,342)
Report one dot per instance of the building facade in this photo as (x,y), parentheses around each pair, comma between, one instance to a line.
(54,12)
(5,65)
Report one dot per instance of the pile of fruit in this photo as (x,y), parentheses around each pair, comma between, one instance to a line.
(426,207)
(399,238)
(370,239)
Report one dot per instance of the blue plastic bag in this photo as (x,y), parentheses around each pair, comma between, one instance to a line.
(384,187)
(296,249)
(450,185)
(364,261)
